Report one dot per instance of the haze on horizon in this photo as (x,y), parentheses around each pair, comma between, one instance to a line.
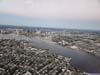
(79,14)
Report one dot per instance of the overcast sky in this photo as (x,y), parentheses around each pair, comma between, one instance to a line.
(51,12)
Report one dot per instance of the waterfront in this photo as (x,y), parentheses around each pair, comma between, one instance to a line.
(82,60)
(17,57)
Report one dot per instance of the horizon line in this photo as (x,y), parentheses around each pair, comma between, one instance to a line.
(21,26)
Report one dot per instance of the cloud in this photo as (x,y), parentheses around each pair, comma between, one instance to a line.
(67,9)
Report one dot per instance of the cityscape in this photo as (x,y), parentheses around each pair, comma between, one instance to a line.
(19,55)
(49,37)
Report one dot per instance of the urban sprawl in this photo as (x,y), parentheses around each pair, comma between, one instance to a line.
(18,57)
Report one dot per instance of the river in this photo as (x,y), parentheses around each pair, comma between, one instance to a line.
(82,60)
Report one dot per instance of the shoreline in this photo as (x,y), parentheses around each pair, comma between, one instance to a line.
(40,42)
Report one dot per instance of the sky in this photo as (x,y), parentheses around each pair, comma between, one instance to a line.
(78,14)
